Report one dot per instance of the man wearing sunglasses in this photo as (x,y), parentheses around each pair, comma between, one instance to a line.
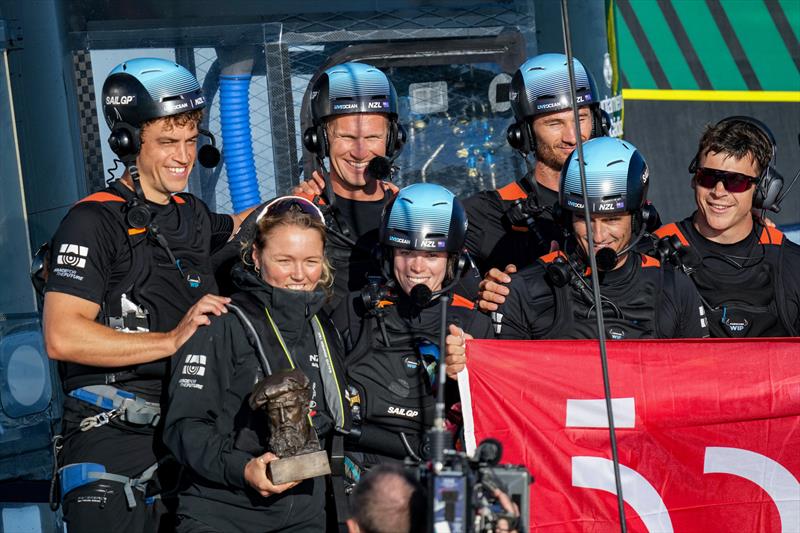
(745,271)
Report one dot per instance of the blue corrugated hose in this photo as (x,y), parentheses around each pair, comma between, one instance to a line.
(237,142)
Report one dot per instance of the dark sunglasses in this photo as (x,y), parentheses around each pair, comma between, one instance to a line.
(286,203)
(732,181)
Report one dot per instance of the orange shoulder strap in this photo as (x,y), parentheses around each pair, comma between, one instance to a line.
(460,301)
(648,261)
(101,196)
(771,236)
(671,229)
(512,191)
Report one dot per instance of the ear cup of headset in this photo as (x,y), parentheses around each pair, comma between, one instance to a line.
(562,217)
(464,265)
(315,140)
(124,141)
(649,218)
(601,123)
(137,214)
(520,137)
(768,190)
(396,138)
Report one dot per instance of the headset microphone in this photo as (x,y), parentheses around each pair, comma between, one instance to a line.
(380,168)
(208,155)
(607,258)
(420,295)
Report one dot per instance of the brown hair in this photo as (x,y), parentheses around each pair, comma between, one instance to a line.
(291,217)
(737,139)
(180,120)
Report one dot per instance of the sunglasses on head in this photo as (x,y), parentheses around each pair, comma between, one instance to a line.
(732,181)
(286,203)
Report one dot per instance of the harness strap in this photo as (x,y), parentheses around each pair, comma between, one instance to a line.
(76,475)
(337,462)
(330,381)
(117,403)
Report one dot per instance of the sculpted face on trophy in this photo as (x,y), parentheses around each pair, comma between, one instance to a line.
(286,396)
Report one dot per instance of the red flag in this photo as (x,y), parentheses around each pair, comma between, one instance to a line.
(708,431)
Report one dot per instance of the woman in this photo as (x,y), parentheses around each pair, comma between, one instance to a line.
(392,332)
(210,426)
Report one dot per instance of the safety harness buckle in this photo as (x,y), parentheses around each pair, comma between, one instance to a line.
(119,403)
(100,419)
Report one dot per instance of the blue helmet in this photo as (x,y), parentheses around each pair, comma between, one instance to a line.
(352,88)
(541,85)
(616,178)
(424,216)
(144,89)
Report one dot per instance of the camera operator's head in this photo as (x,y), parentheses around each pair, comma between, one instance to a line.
(388,500)
(422,234)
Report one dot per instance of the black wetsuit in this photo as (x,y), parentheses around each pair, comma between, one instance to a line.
(641,299)
(494,241)
(211,428)
(393,379)
(98,257)
(750,288)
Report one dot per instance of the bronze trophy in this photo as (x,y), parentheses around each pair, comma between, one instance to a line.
(286,396)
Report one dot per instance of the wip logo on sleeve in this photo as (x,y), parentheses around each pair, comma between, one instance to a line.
(195,365)
(72,255)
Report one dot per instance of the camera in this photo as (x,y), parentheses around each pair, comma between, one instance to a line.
(461,494)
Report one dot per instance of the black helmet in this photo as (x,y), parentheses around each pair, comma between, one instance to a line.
(616,178)
(424,216)
(148,88)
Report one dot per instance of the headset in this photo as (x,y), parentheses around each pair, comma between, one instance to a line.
(126,143)
(541,85)
(770,182)
(521,137)
(346,89)
(315,139)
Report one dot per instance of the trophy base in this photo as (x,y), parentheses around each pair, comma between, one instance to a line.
(299,467)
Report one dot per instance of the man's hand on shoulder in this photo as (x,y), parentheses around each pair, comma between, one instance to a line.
(492,290)
(311,187)
(197,316)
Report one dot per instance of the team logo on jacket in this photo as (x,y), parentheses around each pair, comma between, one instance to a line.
(617,333)
(402,411)
(72,255)
(195,365)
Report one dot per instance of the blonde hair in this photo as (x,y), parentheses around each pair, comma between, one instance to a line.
(292,217)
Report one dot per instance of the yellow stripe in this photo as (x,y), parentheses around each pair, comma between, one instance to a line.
(712,96)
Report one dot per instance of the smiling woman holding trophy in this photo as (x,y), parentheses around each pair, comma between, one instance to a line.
(254,394)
